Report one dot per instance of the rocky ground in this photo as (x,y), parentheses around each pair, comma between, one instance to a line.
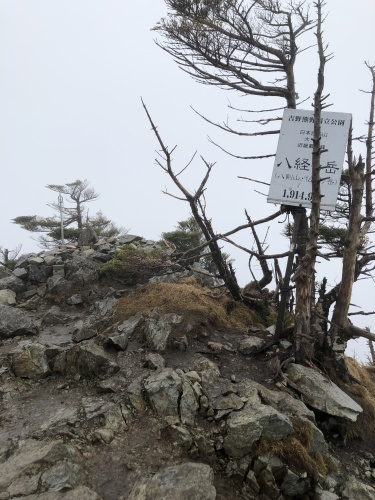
(164,390)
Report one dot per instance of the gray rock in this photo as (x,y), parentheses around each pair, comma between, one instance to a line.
(51,260)
(229,402)
(179,436)
(39,273)
(320,393)
(35,260)
(59,270)
(356,490)
(157,331)
(8,297)
(20,273)
(58,284)
(135,393)
(14,322)
(81,270)
(271,461)
(54,316)
(251,482)
(108,418)
(12,283)
(285,403)
(83,331)
(75,300)
(64,475)
(89,360)
(30,457)
(294,485)
(204,277)
(102,308)
(246,427)
(119,341)
(24,485)
(111,385)
(189,481)
(207,369)
(249,345)
(163,390)
(267,483)
(5,273)
(154,361)
(250,390)
(61,419)
(325,495)
(189,405)
(129,325)
(30,361)
(124,239)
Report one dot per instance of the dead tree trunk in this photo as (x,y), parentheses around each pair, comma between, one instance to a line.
(337,335)
(304,343)
(198,211)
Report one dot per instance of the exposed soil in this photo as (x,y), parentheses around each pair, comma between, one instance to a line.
(113,468)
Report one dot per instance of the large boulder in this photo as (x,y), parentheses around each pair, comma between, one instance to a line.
(81,270)
(39,273)
(8,297)
(12,283)
(30,361)
(86,360)
(31,456)
(246,427)
(207,369)
(356,490)
(157,331)
(163,392)
(321,393)
(64,475)
(14,322)
(188,403)
(189,481)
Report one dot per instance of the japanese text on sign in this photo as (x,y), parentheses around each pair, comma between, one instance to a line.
(291,176)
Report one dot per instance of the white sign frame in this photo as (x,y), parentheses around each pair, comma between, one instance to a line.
(291,175)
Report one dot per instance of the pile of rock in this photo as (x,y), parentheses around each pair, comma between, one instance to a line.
(73,389)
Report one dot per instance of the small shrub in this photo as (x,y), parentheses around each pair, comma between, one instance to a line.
(132,266)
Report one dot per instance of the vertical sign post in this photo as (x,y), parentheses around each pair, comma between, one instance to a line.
(61,204)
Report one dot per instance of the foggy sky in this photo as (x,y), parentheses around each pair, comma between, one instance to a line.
(71,76)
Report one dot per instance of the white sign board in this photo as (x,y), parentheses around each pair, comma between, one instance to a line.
(291,176)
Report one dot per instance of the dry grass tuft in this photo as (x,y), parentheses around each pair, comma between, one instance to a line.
(294,451)
(363,392)
(191,300)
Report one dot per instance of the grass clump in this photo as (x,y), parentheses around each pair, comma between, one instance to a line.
(191,300)
(295,452)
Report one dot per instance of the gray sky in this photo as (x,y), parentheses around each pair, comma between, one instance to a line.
(71,76)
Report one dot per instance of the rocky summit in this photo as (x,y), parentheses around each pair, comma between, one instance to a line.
(125,376)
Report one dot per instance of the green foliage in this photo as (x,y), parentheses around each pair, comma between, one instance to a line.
(335,238)
(187,236)
(73,198)
(36,224)
(132,266)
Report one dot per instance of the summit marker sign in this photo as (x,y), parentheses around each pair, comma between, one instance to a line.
(291,175)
